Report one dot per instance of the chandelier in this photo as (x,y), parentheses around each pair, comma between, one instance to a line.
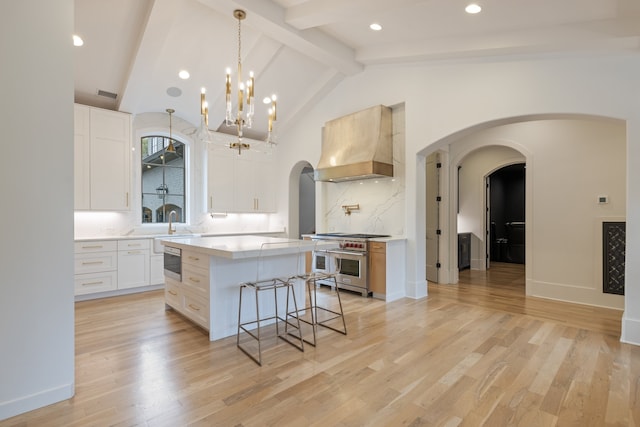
(242,116)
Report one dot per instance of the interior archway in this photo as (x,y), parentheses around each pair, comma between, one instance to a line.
(301,188)
(570,160)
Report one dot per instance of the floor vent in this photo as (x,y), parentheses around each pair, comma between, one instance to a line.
(613,250)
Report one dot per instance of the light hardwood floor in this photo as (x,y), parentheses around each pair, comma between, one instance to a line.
(477,353)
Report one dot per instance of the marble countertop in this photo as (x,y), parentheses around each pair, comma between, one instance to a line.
(179,234)
(240,247)
(377,239)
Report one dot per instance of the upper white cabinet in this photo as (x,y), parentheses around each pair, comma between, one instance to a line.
(240,183)
(82,133)
(102,159)
(220,177)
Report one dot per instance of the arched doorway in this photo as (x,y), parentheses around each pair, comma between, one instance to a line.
(570,162)
(506,215)
(302,200)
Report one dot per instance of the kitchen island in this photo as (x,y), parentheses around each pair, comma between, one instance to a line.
(213,268)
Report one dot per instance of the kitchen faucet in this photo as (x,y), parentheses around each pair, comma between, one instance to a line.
(172,228)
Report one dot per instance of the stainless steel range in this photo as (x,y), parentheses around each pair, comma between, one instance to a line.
(350,261)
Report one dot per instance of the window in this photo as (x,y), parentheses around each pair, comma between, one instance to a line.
(163,180)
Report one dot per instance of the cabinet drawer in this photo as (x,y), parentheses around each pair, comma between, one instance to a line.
(172,294)
(95,262)
(196,259)
(96,246)
(133,244)
(196,309)
(196,279)
(95,282)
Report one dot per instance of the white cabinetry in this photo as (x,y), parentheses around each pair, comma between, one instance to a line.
(133,263)
(220,180)
(156,269)
(102,162)
(81,159)
(96,267)
(240,183)
(116,266)
(190,297)
(255,182)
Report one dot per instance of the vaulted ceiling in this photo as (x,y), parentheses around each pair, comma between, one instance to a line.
(301,49)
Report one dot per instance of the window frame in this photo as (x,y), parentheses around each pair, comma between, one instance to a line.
(183,214)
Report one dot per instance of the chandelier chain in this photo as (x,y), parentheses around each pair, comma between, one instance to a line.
(239,42)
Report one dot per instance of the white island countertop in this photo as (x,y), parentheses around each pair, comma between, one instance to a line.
(242,247)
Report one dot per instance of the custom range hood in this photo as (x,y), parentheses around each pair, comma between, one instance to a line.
(357,146)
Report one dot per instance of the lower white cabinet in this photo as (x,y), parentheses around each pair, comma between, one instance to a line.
(96,267)
(112,265)
(156,269)
(190,297)
(133,263)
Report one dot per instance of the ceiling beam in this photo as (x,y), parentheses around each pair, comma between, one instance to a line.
(269,18)
(147,54)
(314,13)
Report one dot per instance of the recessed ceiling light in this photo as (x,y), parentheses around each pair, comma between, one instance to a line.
(77,40)
(473,8)
(375,26)
(184,74)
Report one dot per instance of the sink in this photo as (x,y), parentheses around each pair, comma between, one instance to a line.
(158,247)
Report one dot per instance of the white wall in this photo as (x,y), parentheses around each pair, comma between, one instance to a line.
(36,259)
(569,164)
(448,99)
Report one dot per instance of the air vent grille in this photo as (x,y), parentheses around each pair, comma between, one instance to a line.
(107,94)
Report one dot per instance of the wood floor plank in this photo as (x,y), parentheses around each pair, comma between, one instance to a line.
(473,354)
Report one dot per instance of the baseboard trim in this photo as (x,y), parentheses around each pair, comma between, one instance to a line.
(630,330)
(38,400)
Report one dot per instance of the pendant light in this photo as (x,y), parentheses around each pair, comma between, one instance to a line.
(170,148)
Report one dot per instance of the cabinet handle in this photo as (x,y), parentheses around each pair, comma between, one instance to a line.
(194,258)
(132,245)
(193,279)
(211,202)
(134,252)
(92,262)
(92,247)
(174,293)
(92,283)
(127,202)
(193,307)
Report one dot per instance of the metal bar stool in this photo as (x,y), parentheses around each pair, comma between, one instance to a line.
(274,284)
(312,307)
